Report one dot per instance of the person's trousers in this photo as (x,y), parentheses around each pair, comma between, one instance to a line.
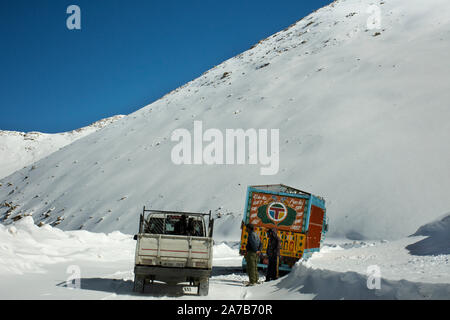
(252,266)
(272,268)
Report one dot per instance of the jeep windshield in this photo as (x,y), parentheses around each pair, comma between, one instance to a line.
(175,224)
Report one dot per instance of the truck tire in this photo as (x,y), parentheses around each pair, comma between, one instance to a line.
(203,287)
(139,283)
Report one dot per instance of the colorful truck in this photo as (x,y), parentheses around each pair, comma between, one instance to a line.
(298,216)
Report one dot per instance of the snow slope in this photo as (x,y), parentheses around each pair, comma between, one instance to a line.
(363,118)
(437,239)
(48,262)
(20,149)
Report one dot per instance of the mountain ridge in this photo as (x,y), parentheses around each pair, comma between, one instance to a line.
(352,106)
(19,149)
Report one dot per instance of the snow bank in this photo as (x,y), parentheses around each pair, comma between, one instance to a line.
(437,241)
(327,284)
(106,261)
(392,259)
(26,248)
(363,118)
(224,251)
(342,268)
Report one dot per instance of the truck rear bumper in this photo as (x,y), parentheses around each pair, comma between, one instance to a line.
(168,274)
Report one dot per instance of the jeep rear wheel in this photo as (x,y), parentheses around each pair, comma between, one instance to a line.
(139,283)
(203,287)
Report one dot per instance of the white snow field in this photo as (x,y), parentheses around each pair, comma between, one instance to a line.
(364,122)
(20,149)
(39,263)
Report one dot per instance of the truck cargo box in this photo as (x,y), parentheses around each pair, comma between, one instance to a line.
(174,247)
(298,216)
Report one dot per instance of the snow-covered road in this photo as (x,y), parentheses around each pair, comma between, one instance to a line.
(39,263)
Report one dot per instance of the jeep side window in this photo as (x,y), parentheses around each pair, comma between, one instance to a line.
(154,226)
(197,227)
(170,226)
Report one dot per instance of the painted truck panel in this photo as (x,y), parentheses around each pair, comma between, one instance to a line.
(299,218)
(315,226)
(292,243)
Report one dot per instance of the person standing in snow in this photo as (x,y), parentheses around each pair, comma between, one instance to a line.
(253,248)
(273,253)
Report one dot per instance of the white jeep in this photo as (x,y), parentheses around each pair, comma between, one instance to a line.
(174,247)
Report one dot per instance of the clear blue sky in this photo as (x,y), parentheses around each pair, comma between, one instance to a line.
(127,54)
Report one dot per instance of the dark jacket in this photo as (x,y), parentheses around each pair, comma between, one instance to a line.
(180,227)
(273,245)
(253,243)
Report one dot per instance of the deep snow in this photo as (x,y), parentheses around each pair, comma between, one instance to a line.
(42,260)
(363,118)
(437,239)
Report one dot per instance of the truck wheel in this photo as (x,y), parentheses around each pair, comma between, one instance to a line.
(139,283)
(203,287)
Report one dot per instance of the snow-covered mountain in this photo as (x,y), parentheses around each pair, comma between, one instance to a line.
(363,116)
(20,149)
